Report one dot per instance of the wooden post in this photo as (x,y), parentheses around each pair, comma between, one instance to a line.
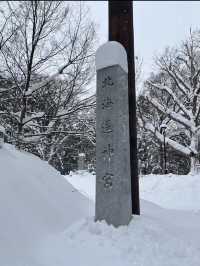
(121,30)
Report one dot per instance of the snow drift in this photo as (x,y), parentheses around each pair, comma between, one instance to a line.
(35,201)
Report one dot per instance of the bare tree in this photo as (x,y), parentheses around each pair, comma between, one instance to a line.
(52,46)
(4,21)
(180,69)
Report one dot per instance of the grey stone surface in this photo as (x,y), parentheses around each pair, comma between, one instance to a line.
(113,181)
(81,161)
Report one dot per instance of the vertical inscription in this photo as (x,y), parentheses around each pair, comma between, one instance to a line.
(107,128)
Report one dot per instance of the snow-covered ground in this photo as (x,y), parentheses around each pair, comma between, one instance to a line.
(45,221)
(35,201)
(181,192)
(158,237)
(163,235)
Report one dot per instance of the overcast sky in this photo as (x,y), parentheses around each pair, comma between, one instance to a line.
(157,24)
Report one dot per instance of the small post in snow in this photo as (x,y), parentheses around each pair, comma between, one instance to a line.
(113,177)
(2,136)
(81,161)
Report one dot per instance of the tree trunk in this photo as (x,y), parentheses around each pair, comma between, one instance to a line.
(194,165)
(195,159)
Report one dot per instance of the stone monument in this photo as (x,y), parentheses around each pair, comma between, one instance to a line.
(113,178)
(81,161)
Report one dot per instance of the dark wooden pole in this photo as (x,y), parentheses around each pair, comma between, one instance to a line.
(121,30)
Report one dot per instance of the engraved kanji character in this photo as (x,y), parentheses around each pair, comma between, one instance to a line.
(107,82)
(107,102)
(108,150)
(107,126)
(107,180)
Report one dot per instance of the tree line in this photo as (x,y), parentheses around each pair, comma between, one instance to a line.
(47,51)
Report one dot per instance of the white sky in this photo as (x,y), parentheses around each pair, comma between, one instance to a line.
(157,24)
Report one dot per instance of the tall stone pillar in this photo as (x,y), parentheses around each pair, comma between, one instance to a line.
(113,177)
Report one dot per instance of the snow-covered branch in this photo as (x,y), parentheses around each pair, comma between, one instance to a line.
(175,145)
(173,115)
(174,97)
(29,118)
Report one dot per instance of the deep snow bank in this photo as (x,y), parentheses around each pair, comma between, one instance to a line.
(35,201)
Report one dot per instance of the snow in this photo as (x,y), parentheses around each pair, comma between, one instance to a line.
(35,201)
(177,146)
(81,154)
(175,192)
(110,54)
(158,237)
(28,118)
(84,182)
(45,221)
(175,116)
(175,98)
(2,129)
(164,126)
